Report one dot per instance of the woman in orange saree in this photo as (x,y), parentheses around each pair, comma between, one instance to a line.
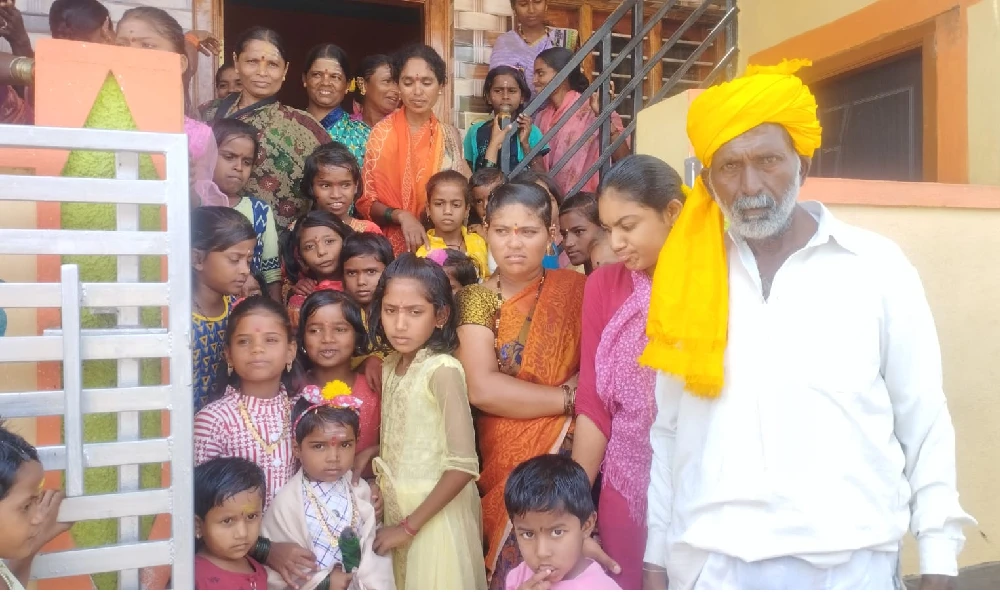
(406,148)
(519,335)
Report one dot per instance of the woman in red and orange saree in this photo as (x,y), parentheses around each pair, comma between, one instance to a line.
(519,335)
(406,148)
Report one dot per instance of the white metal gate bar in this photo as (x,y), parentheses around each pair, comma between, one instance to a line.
(127,344)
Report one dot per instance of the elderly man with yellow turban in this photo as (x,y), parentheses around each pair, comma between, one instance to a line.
(801,424)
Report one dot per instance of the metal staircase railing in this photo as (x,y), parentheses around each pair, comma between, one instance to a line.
(609,61)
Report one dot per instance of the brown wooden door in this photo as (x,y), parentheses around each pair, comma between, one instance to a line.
(873,122)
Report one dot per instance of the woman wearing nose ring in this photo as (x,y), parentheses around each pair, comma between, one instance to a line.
(519,342)
(406,148)
(639,201)
(326,82)
(288,135)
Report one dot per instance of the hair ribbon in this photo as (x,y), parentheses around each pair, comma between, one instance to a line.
(335,394)
(438,256)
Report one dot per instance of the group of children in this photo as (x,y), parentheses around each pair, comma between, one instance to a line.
(332,417)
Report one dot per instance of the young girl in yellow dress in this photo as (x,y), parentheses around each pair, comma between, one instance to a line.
(428,466)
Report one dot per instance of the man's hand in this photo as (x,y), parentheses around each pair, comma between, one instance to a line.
(654,577)
(593,551)
(538,581)
(295,564)
(938,582)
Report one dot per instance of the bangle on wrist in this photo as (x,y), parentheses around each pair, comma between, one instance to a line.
(569,400)
(192,39)
(410,531)
(261,550)
(387,215)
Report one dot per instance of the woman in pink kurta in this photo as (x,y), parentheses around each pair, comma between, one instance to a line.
(547,65)
(639,201)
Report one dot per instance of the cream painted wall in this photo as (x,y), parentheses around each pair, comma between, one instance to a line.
(16,377)
(946,246)
(984,87)
(765,23)
(661,130)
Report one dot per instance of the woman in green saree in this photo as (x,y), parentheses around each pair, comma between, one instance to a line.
(288,135)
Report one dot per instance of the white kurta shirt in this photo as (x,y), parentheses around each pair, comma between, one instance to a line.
(831,435)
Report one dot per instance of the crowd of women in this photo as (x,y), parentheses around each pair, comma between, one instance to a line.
(385,328)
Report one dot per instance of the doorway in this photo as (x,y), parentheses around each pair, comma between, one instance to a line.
(360,27)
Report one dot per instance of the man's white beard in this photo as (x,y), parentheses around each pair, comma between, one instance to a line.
(776,219)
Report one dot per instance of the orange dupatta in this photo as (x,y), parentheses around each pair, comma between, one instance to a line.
(551,355)
(397,168)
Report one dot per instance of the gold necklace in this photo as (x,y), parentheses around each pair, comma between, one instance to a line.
(268,448)
(324,517)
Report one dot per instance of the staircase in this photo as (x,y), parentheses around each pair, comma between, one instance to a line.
(651,49)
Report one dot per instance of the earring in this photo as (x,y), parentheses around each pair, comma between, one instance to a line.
(289,367)
(230,369)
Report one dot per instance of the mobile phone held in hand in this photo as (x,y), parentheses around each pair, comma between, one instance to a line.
(504,120)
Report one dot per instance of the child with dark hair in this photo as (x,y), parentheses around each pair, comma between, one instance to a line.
(481,185)
(222,244)
(27,511)
(507,93)
(365,257)
(427,464)
(448,209)
(254,286)
(459,268)
(552,513)
(249,414)
(332,181)
(580,227)
(311,256)
(228,508)
(332,332)
(320,508)
(237,142)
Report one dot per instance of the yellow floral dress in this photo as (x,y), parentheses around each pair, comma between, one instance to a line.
(427,430)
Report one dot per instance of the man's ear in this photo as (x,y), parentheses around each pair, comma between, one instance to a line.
(804,166)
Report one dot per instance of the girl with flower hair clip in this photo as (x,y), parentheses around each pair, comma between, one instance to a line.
(319,508)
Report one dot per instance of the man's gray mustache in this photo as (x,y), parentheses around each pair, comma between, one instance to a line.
(754,202)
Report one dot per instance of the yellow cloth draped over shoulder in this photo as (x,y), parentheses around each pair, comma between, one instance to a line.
(689,309)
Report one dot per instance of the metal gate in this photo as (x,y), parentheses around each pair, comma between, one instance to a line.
(127,343)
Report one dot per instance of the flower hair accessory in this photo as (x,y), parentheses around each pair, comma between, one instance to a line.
(438,256)
(335,394)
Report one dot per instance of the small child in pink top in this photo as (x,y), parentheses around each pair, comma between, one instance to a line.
(552,512)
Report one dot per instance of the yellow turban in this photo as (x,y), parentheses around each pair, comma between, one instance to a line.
(689,308)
